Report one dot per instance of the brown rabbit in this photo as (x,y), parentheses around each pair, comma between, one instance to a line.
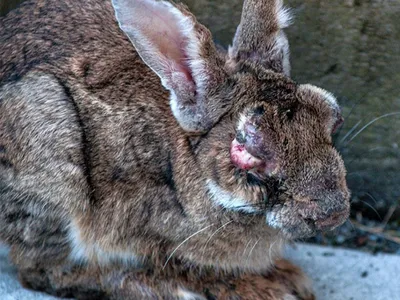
(167,169)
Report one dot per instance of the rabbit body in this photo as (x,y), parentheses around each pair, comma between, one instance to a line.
(104,166)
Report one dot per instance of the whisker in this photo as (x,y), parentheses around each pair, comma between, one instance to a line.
(370,206)
(173,252)
(247,245)
(372,197)
(355,104)
(270,254)
(214,233)
(252,248)
(351,223)
(255,205)
(349,132)
(370,123)
(364,153)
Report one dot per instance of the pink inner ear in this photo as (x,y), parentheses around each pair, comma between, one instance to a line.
(166,35)
(163,35)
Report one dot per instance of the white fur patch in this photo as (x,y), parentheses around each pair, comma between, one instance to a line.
(327,96)
(289,297)
(283,14)
(273,220)
(282,44)
(242,121)
(186,295)
(78,247)
(82,252)
(174,103)
(228,200)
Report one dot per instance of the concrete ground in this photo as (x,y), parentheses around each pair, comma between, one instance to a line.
(338,274)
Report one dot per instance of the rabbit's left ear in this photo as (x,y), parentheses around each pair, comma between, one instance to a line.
(259,36)
(180,51)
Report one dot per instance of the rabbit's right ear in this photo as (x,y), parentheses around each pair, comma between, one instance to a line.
(259,36)
(180,51)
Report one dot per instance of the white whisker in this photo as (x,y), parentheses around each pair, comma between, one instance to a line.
(349,132)
(270,253)
(214,233)
(372,208)
(247,245)
(370,123)
(252,248)
(173,252)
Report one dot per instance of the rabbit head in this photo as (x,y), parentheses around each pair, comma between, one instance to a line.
(263,142)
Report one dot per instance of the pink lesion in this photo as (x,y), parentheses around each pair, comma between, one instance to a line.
(242,159)
(254,151)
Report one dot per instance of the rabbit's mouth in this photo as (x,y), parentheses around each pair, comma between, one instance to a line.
(300,220)
(292,218)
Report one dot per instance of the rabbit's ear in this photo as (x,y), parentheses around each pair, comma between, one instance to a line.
(259,36)
(180,51)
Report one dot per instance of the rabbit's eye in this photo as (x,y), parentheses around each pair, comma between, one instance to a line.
(289,113)
(259,111)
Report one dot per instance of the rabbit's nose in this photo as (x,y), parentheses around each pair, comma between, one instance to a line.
(324,218)
(331,221)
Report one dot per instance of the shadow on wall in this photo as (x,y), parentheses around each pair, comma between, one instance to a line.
(7,5)
(352,48)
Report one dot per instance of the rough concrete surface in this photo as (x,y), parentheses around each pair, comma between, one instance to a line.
(10,289)
(338,274)
(341,274)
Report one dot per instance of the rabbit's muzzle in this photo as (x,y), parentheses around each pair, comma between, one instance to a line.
(320,220)
(298,219)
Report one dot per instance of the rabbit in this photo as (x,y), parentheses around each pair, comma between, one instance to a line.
(138,160)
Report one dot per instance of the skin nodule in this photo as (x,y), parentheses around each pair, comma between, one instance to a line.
(133,150)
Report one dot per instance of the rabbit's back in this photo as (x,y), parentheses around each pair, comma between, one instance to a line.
(92,119)
(52,32)
(80,43)
(120,103)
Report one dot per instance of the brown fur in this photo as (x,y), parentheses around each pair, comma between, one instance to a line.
(122,283)
(88,143)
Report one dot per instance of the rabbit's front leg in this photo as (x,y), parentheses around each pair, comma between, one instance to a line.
(298,285)
(65,281)
(100,283)
(284,282)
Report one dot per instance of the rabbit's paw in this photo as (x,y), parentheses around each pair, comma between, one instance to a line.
(293,278)
(284,282)
(64,281)
(142,284)
(101,283)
